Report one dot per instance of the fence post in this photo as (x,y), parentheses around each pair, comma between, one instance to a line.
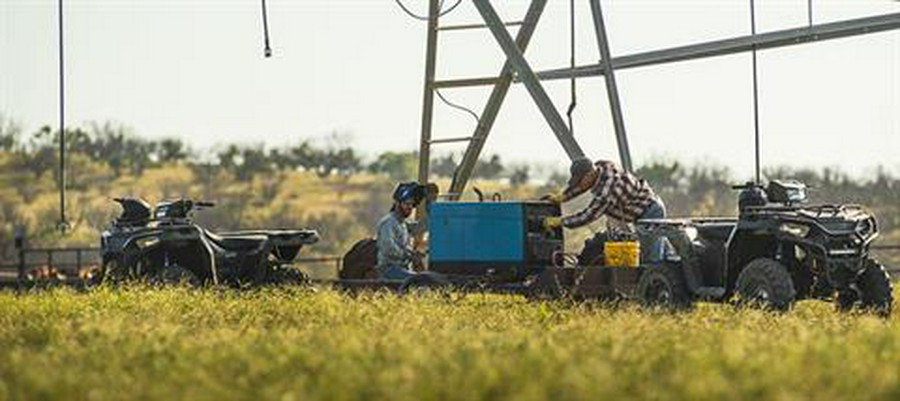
(20,247)
(78,262)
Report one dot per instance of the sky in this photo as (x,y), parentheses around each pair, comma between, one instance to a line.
(195,70)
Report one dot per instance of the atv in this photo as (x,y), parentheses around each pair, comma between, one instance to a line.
(168,247)
(777,251)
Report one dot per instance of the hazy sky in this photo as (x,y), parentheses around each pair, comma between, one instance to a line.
(194,70)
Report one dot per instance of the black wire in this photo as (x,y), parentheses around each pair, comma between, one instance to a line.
(265,20)
(574,101)
(458,107)
(423,18)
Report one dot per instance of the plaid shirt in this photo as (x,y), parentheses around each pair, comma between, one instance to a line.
(617,194)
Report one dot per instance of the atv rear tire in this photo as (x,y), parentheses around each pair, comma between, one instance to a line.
(663,286)
(424,282)
(767,284)
(872,291)
(176,275)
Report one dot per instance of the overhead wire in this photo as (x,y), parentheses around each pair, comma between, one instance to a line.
(457,106)
(441,13)
(573,96)
(425,18)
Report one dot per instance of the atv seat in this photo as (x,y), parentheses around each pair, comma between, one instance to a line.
(246,243)
(715,231)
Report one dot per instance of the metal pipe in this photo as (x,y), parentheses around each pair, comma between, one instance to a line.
(767,40)
(474,26)
(428,92)
(526,74)
(755,93)
(612,90)
(492,107)
(63,222)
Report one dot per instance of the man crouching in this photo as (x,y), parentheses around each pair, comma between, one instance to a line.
(393,238)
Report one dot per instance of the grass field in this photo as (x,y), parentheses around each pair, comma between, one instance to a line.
(297,344)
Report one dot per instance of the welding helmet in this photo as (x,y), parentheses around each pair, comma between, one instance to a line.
(409,192)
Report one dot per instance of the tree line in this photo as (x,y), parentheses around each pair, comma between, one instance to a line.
(128,154)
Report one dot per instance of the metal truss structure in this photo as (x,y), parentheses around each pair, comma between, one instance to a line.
(516,69)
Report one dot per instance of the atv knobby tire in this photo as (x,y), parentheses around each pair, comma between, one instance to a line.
(871,291)
(663,286)
(176,275)
(424,282)
(767,284)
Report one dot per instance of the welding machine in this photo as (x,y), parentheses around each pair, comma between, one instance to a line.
(504,240)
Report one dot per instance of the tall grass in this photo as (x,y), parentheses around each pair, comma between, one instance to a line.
(299,344)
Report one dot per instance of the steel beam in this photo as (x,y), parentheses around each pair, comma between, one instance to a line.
(612,90)
(474,26)
(526,75)
(768,40)
(428,92)
(466,82)
(492,107)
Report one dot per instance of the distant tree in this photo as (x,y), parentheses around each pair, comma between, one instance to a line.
(9,134)
(444,166)
(490,169)
(400,166)
(519,176)
(170,150)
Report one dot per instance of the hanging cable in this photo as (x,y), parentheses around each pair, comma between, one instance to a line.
(457,106)
(267,51)
(424,18)
(63,222)
(755,90)
(574,101)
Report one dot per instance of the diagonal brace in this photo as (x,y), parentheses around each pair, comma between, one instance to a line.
(531,82)
(492,108)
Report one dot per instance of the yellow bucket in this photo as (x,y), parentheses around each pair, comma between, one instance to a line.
(622,253)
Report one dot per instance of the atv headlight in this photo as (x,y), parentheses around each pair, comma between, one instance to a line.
(864,228)
(797,230)
(147,242)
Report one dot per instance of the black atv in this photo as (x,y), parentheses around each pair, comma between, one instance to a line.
(777,251)
(168,247)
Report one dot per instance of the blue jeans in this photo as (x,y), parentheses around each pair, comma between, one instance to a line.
(656,210)
(396,273)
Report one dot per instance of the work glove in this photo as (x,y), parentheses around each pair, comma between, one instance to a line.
(553,197)
(552,222)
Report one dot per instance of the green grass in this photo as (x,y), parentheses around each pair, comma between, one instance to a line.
(300,345)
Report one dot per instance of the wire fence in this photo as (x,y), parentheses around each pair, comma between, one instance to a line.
(75,262)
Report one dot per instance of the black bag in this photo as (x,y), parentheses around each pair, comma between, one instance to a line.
(360,261)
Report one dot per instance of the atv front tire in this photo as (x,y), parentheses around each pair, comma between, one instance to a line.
(767,284)
(872,291)
(663,286)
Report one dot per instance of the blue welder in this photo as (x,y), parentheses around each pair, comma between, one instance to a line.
(503,240)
